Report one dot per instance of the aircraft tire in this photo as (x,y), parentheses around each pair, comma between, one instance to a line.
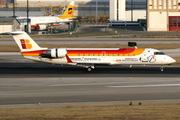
(89,69)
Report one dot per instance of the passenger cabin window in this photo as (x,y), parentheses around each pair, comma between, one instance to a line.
(78,54)
(93,55)
(159,53)
(83,54)
(89,54)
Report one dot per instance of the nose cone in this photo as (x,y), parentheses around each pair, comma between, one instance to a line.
(171,60)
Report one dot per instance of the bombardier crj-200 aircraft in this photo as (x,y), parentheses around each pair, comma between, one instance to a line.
(90,57)
(43,22)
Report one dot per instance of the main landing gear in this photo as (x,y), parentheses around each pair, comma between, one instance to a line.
(89,69)
(161,69)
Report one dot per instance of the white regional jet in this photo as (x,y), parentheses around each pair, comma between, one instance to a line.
(42,22)
(90,57)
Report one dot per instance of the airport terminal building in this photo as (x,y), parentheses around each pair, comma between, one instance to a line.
(160,15)
(82,7)
(163,15)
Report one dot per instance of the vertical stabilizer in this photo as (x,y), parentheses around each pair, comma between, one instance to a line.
(68,12)
(25,42)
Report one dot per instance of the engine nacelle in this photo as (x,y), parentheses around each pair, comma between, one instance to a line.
(41,27)
(55,53)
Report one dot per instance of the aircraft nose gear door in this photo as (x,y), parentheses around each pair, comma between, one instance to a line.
(145,57)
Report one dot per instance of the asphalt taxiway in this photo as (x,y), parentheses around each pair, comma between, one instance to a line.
(33,83)
(31,70)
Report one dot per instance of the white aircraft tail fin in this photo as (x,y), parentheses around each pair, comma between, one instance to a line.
(25,42)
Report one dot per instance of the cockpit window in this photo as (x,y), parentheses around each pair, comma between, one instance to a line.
(159,53)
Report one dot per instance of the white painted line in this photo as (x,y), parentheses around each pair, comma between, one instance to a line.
(104,102)
(87,84)
(157,85)
(10,53)
(77,30)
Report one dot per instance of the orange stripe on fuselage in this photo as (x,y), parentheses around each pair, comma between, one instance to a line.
(33,53)
(55,24)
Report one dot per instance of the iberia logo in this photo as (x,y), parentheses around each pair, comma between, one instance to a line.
(70,11)
(25,43)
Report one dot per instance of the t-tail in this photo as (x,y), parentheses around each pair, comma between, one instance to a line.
(68,12)
(25,42)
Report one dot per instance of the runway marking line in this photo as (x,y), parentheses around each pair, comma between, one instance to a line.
(157,85)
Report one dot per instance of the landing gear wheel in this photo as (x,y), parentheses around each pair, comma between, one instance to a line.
(89,69)
(162,69)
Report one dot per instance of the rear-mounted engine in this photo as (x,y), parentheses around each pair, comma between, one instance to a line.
(55,53)
(41,27)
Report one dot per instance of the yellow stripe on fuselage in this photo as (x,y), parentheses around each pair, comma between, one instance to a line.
(30,54)
(137,52)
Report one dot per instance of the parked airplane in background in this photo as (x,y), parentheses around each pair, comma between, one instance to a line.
(90,57)
(42,22)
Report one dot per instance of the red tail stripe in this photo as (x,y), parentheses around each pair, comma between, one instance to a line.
(68,59)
